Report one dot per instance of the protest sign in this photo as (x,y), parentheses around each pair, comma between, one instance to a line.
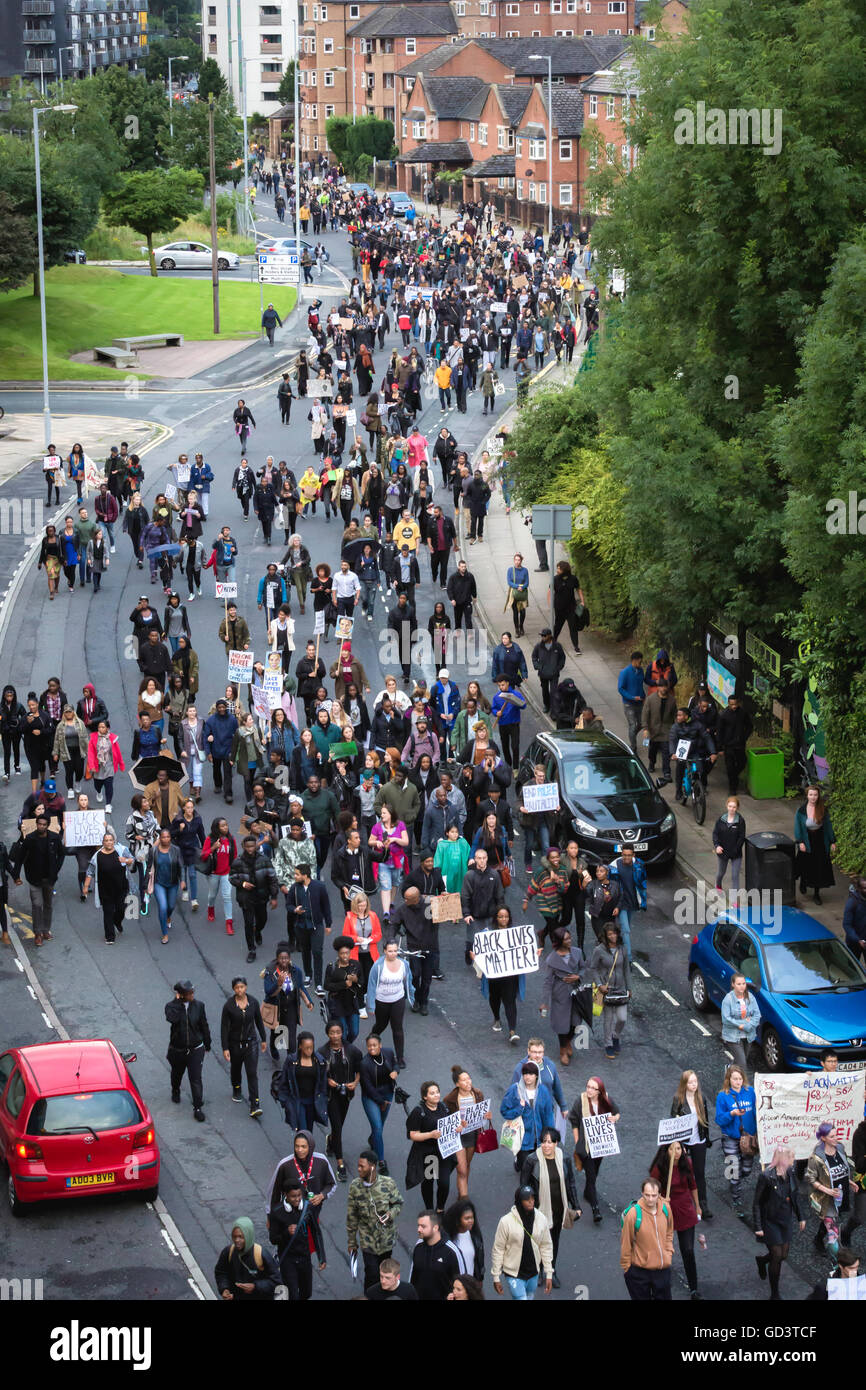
(171,493)
(475,1116)
(344,627)
(351,419)
(182,472)
(28,827)
(519,282)
(240,667)
(320,387)
(93,474)
(261,705)
(791,1105)
(226,590)
(51,462)
(498,307)
(342,750)
(448,1135)
(84,828)
(272,683)
(600,1132)
(346,324)
(541,798)
(445,907)
(679,1127)
(683,747)
(847,1290)
(319,624)
(426,295)
(507,951)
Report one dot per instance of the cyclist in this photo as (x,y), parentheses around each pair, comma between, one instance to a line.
(701,747)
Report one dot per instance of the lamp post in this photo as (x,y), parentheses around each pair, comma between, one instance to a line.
(178,58)
(540,57)
(67,48)
(353,82)
(297,170)
(37,169)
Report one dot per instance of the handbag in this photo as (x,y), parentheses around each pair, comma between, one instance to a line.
(598,999)
(486,1140)
(748,1145)
(270,1015)
(570,1216)
(205,864)
(504,874)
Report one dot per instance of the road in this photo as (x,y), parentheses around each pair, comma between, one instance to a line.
(214,1172)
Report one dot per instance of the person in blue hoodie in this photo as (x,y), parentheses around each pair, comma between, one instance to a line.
(735,1116)
(445,698)
(630,686)
(508,705)
(200,478)
(631,874)
(531,1101)
(219,731)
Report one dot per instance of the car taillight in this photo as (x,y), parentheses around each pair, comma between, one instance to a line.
(27,1149)
(143,1139)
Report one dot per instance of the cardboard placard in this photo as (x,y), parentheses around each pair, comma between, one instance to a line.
(261,705)
(28,827)
(519,282)
(319,623)
(791,1105)
(226,590)
(344,628)
(445,907)
(171,493)
(272,684)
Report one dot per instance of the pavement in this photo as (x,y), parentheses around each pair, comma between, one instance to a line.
(596,670)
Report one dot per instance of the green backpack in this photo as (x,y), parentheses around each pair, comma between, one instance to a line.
(638,1214)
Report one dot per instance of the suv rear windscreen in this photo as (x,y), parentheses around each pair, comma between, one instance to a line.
(97,1110)
(607,775)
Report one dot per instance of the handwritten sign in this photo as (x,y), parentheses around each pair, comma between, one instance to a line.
(272,684)
(506,951)
(260,703)
(28,827)
(679,1127)
(351,418)
(445,907)
(319,624)
(600,1132)
(541,798)
(171,493)
(51,462)
(93,474)
(182,472)
(240,667)
(791,1105)
(84,828)
(226,590)
(498,307)
(519,282)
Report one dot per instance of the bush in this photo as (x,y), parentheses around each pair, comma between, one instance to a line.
(226,208)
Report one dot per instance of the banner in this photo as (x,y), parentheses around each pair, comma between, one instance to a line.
(506,951)
(790,1106)
(261,707)
(445,907)
(240,667)
(601,1139)
(541,798)
(226,590)
(679,1127)
(94,476)
(84,829)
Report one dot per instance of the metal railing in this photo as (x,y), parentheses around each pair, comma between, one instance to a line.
(35,65)
(40,36)
(37,7)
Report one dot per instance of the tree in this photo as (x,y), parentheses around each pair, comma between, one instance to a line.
(286,89)
(189,148)
(337,134)
(70,203)
(155,201)
(136,112)
(369,136)
(210,79)
(160,50)
(17,245)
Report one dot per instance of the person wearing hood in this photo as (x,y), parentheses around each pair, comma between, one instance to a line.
(522,1248)
(12,717)
(245,1272)
(530,1101)
(293,1227)
(91,709)
(660,673)
(306,1169)
(548,659)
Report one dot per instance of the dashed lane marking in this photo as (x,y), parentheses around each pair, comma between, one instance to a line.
(670,997)
(700,1027)
(645,973)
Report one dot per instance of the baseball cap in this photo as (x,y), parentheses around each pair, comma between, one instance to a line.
(51,785)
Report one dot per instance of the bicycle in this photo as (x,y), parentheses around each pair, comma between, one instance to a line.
(693,786)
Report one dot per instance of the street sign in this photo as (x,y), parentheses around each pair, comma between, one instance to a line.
(279,268)
(552,523)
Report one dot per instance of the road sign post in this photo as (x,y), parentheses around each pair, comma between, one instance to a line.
(279,268)
(551,524)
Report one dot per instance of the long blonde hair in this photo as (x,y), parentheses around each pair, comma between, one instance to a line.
(680,1097)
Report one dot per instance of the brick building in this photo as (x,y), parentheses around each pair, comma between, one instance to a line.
(609,99)
(673,19)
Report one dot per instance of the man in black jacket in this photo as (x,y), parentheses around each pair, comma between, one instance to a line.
(480,896)
(461,591)
(445,450)
(548,658)
(422,934)
(405,574)
(352,870)
(309,673)
(153,659)
(389,729)
(41,855)
(253,878)
(477,496)
(189,1039)
(441,540)
(430,883)
(434,1264)
(308,918)
(402,620)
(732,730)
(290,1225)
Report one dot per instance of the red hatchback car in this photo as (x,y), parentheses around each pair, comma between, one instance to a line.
(73,1121)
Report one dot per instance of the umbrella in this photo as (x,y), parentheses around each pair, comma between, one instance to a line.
(352,550)
(142,773)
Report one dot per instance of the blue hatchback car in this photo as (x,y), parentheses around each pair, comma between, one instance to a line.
(810,989)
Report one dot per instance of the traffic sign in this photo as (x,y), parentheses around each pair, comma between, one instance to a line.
(280,268)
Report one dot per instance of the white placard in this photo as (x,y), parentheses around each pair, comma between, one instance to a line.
(182,473)
(847,1290)
(226,590)
(319,624)
(448,1135)
(679,1127)
(789,1107)
(541,798)
(499,307)
(83,829)
(272,684)
(51,463)
(506,951)
(261,704)
(240,667)
(683,749)
(600,1132)
(351,419)
(171,493)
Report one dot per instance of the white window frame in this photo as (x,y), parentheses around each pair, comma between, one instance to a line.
(313,76)
(501,136)
(593,105)
(328,78)
(542,193)
(404,127)
(484,8)
(482,134)
(354,11)
(330,111)
(571,6)
(616,6)
(613,32)
(471,130)
(587,6)
(512,33)
(519,189)
(314,111)
(625,154)
(327,45)
(323,13)
(315,142)
(538,147)
(556,6)
(519,149)
(461,7)
(650,33)
(315,14)
(564,34)
(610,109)
(566,195)
(311,42)
(536,34)
(566,150)
(388,81)
(512,9)
(419,130)
(410,48)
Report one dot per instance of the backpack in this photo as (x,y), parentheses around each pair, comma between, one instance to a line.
(275,1086)
(638,1211)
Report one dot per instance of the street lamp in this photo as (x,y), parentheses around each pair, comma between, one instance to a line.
(297,171)
(540,57)
(178,58)
(46,409)
(67,48)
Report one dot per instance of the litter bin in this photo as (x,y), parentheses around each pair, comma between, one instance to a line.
(765,769)
(770,864)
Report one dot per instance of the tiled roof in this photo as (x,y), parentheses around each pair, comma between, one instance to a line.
(438,152)
(513,99)
(448,96)
(499,166)
(619,77)
(567,110)
(571,57)
(400,21)
(436,58)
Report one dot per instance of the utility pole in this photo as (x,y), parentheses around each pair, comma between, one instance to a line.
(214,254)
(297,153)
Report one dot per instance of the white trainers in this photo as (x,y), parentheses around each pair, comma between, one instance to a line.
(70,793)
(191,598)
(194,904)
(99,796)
(362,1013)
(113,550)
(108,808)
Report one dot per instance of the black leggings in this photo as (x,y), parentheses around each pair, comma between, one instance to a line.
(11,741)
(337,1109)
(502,994)
(698,1154)
(112,915)
(442,1185)
(559,622)
(590,1173)
(393,1014)
(73,768)
(774,1259)
(686,1241)
(245,1059)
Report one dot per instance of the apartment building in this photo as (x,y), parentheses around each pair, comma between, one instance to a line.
(673,18)
(44,40)
(258,48)
(609,101)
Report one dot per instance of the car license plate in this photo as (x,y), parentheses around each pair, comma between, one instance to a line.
(852,1066)
(640,848)
(90,1180)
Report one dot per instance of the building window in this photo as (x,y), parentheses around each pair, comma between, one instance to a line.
(323,13)
(315,14)
(587,5)
(327,45)
(404,128)
(314,112)
(520,188)
(311,45)
(330,111)
(419,130)
(519,151)
(461,7)
(312,78)
(212,43)
(614,31)
(388,80)
(650,33)
(389,113)
(542,193)
(471,130)
(328,79)
(593,106)
(616,6)
(536,34)
(608,153)
(410,48)
(625,152)
(354,11)
(556,6)
(587,33)
(565,195)
(610,109)
(500,137)
(211,14)
(565,33)
(538,148)
(565,149)
(315,142)
(571,6)
(512,9)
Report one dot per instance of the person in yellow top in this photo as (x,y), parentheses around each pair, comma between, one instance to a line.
(309,489)
(443,381)
(407,532)
(304,218)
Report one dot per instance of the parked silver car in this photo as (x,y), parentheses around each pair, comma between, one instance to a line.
(191,255)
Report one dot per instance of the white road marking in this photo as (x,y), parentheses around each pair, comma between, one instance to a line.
(675,1002)
(701,1029)
(184,1251)
(196,1290)
(645,973)
(169,1242)
(47,1020)
(32,992)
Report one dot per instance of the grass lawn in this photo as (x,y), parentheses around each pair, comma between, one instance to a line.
(87,306)
(122,243)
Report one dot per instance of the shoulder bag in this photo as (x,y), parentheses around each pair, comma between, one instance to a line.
(597,997)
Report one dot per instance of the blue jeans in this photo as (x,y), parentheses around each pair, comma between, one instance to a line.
(351,1024)
(109,528)
(84,570)
(106,783)
(191,879)
(369,590)
(377,1123)
(219,883)
(521,1289)
(445,397)
(174,643)
(165,901)
(624,924)
(535,836)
